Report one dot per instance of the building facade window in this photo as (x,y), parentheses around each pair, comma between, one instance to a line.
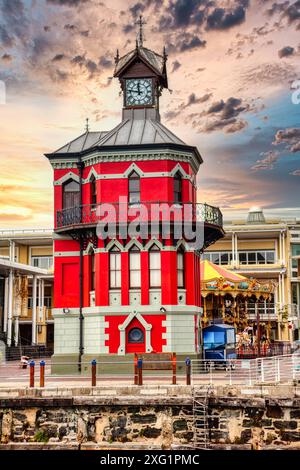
(257,257)
(134,268)
(92,271)
(154,267)
(134,188)
(218,257)
(43,262)
(71,194)
(180,269)
(93,190)
(115,269)
(177,187)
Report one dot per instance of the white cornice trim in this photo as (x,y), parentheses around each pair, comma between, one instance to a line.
(142,174)
(127,309)
(97,157)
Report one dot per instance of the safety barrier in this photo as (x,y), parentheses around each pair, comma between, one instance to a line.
(266,370)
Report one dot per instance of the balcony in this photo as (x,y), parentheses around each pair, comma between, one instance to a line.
(191,215)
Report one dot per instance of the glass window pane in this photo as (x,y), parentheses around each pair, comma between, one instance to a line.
(243,258)
(261,257)
(135,279)
(154,260)
(251,258)
(134,197)
(118,278)
(134,185)
(134,261)
(180,279)
(270,257)
(155,278)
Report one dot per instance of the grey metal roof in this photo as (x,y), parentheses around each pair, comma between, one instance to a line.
(83,142)
(154,59)
(139,127)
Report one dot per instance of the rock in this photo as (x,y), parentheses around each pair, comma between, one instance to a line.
(143,419)
(7,421)
(274,412)
(180,425)
(81,430)
(151,432)
(290,436)
(285,424)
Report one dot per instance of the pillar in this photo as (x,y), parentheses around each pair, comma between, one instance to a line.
(5,312)
(34,298)
(16,330)
(10,307)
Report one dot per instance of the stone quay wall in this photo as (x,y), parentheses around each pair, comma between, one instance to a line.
(147,418)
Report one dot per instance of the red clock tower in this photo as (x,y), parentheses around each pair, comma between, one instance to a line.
(127,271)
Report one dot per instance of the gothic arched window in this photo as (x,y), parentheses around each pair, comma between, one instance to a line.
(71,194)
(180,268)
(135,268)
(115,268)
(93,190)
(177,187)
(92,271)
(134,188)
(154,267)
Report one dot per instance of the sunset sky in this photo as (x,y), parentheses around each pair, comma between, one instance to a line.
(231,65)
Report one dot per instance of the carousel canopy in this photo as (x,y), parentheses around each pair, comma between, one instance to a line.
(218,280)
(211,272)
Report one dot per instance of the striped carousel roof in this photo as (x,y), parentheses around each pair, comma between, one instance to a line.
(210,272)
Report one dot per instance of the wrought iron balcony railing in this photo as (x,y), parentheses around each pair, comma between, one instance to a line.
(151,212)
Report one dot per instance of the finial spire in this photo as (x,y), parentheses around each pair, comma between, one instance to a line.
(141,23)
(117,57)
(87,127)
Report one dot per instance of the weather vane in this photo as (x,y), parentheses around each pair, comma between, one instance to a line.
(141,23)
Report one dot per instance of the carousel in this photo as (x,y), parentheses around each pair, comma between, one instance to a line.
(245,303)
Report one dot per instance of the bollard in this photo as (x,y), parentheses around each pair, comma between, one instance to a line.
(42,374)
(135,369)
(94,364)
(140,371)
(31,376)
(188,370)
(174,369)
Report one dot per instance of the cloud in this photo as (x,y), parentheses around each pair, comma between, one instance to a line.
(194,100)
(223,19)
(293,12)
(104,62)
(69,3)
(175,66)
(267,162)
(286,52)
(295,173)
(184,42)
(6,58)
(58,57)
(290,137)
(223,115)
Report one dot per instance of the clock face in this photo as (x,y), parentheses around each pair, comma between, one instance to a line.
(139,92)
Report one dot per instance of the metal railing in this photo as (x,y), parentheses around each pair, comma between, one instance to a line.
(266,370)
(152,211)
(253,372)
